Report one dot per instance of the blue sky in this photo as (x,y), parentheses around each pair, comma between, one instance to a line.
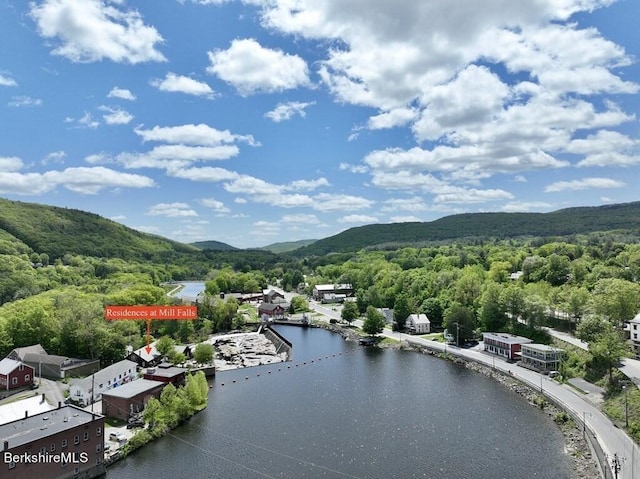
(258,121)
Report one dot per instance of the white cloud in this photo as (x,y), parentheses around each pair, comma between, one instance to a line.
(519,179)
(306,185)
(171,210)
(183,84)
(10,163)
(353,168)
(24,101)
(286,111)
(251,68)
(84,180)
(121,93)
(337,202)
(7,81)
(115,116)
(391,119)
(94,30)
(190,134)
(54,157)
(441,71)
(118,218)
(583,184)
(215,205)
(358,219)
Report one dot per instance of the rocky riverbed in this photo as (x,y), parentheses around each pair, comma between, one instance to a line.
(244,350)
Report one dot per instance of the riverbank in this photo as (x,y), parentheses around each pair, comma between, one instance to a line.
(585,464)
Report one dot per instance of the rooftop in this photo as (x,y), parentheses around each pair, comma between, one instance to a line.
(507,337)
(133,388)
(8,365)
(26,430)
(541,347)
(16,410)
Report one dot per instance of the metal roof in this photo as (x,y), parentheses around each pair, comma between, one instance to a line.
(133,388)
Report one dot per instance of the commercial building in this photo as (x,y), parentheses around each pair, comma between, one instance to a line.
(504,344)
(634,335)
(125,401)
(540,357)
(66,442)
(166,373)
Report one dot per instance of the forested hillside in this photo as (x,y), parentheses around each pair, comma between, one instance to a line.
(571,221)
(58,231)
(213,245)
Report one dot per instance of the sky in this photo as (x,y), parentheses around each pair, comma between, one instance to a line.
(259,121)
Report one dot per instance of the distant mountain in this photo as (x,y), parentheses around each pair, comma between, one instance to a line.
(59,231)
(287,246)
(213,245)
(581,220)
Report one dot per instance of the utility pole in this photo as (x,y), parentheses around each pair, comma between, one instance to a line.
(626,407)
(616,465)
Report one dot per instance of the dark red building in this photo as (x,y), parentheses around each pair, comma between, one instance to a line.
(64,443)
(15,374)
(166,373)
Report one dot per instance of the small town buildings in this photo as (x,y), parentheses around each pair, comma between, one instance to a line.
(332,293)
(388,315)
(273,311)
(15,374)
(504,344)
(272,296)
(418,324)
(87,390)
(127,400)
(52,366)
(541,357)
(68,442)
(143,358)
(166,373)
(634,335)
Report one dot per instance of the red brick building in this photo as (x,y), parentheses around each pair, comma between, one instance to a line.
(124,401)
(166,373)
(504,344)
(15,374)
(66,442)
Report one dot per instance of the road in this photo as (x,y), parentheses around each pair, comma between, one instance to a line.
(612,440)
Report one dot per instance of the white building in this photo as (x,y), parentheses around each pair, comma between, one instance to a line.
(540,357)
(418,324)
(83,390)
(634,335)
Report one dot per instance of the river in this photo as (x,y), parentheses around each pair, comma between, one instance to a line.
(339,410)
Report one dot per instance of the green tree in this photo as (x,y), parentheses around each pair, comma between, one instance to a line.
(492,317)
(165,345)
(299,304)
(432,307)
(591,327)
(374,322)
(401,310)
(460,322)
(203,354)
(608,349)
(350,312)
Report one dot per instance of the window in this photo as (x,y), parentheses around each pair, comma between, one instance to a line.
(14,381)
(98,431)
(53,447)
(76,439)
(12,465)
(21,367)
(98,447)
(64,443)
(86,435)
(27,377)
